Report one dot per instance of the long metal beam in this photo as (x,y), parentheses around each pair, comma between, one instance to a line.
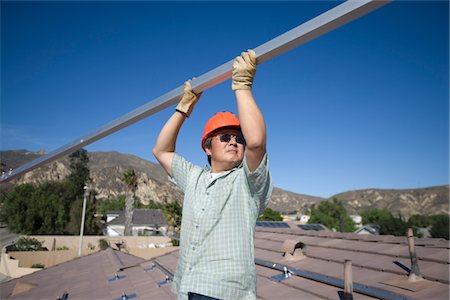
(357,287)
(332,19)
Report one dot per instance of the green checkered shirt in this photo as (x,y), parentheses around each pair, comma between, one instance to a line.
(219,216)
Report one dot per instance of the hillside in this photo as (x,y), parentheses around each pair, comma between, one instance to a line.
(406,202)
(153,184)
(106,171)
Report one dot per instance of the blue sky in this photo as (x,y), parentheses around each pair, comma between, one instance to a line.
(364,106)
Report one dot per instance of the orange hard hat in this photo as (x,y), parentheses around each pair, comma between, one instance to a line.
(219,120)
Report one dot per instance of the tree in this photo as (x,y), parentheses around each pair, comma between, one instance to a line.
(375,216)
(419,221)
(52,207)
(130,179)
(395,225)
(388,223)
(111,204)
(440,226)
(173,212)
(270,215)
(332,214)
(15,206)
(49,214)
(154,205)
(91,224)
(76,182)
(30,209)
(79,172)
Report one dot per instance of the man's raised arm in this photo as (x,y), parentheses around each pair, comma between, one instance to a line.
(165,144)
(252,122)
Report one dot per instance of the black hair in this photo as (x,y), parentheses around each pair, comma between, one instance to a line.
(207,144)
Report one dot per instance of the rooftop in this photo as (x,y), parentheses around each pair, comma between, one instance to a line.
(380,268)
(140,217)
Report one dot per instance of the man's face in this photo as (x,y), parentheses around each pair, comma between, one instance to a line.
(227,149)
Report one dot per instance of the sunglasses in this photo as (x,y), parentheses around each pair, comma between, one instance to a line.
(226,137)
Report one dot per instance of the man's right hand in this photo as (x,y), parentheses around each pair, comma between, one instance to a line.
(188,100)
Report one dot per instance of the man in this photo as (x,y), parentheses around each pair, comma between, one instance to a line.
(221,201)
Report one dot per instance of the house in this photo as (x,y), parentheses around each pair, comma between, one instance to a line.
(371,229)
(291,263)
(302,219)
(144,222)
(357,219)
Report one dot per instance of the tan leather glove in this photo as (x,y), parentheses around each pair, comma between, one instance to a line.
(244,70)
(188,100)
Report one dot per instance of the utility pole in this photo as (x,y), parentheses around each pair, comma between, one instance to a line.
(86,195)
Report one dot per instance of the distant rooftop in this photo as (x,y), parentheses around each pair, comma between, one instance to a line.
(140,217)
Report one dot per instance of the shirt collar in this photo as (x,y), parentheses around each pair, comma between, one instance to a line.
(207,168)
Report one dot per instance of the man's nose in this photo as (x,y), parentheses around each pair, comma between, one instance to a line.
(233,139)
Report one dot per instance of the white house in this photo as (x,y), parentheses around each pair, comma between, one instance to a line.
(144,222)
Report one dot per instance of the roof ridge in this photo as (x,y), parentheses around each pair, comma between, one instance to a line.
(114,258)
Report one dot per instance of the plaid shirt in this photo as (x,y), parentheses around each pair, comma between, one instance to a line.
(219,216)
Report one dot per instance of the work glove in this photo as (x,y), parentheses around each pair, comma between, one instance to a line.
(188,100)
(244,70)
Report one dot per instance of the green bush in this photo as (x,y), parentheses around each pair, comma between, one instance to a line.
(270,215)
(103,244)
(38,265)
(27,244)
(440,226)
(332,214)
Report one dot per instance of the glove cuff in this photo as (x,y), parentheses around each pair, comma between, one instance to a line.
(240,86)
(187,103)
(187,113)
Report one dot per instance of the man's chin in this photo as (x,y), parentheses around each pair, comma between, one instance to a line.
(236,163)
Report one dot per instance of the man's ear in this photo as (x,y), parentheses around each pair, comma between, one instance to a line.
(208,151)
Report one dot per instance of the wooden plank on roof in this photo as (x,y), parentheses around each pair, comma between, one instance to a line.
(403,283)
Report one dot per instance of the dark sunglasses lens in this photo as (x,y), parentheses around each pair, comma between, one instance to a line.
(240,140)
(226,137)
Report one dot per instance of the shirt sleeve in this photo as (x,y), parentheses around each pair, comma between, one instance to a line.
(181,168)
(260,182)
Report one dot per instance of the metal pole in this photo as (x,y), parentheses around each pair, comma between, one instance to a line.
(348,280)
(374,292)
(330,20)
(414,274)
(86,194)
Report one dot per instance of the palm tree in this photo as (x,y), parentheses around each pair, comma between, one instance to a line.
(130,179)
(173,212)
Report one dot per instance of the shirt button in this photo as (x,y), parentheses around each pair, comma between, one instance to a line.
(196,226)
(190,268)
(193,248)
(203,209)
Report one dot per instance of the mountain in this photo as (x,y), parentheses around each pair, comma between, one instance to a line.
(106,169)
(405,202)
(285,201)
